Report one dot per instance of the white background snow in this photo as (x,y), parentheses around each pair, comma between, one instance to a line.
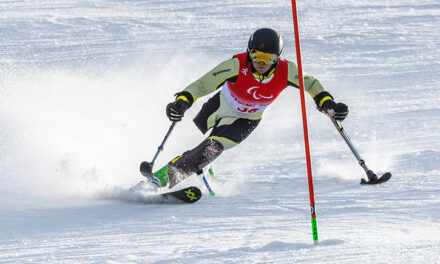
(83,89)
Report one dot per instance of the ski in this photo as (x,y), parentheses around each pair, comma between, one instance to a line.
(188,195)
(375,180)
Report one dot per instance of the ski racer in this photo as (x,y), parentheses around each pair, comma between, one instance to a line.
(244,86)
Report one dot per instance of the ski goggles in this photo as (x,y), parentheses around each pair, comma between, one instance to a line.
(268,58)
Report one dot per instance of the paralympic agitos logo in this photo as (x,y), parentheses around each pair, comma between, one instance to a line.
(255,93)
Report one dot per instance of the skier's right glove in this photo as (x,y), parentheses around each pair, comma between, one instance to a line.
(176,109)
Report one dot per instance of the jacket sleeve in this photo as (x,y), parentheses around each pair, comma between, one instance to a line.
(211,81)
(311,85)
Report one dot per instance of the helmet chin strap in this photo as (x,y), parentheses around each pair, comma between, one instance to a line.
(265,75)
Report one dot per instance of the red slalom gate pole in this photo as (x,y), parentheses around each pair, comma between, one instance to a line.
(304,117)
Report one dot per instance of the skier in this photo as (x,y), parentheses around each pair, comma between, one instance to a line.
(246,84)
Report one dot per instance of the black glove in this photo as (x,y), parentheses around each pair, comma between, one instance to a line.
(176,110)
(338,111)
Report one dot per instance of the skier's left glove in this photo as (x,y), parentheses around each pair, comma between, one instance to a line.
(338,111)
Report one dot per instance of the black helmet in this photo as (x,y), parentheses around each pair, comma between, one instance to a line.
(266,40)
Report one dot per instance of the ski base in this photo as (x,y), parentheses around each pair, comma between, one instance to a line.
(382,179)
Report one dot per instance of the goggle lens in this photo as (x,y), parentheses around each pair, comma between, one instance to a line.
(258,56)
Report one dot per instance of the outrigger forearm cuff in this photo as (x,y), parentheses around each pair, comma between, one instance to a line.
(189,98)
(321,98)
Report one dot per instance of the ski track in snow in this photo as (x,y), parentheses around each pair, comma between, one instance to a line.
(83,88)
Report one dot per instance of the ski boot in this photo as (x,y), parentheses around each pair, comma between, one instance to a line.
(158,179)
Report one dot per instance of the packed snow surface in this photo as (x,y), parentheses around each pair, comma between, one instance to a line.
(83,89)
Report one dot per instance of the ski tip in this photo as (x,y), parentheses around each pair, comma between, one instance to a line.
(382,179)
(386,176)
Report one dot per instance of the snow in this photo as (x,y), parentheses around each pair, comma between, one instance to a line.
(83,89)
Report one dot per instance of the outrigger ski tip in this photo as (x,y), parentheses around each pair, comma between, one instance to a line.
(375,180)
